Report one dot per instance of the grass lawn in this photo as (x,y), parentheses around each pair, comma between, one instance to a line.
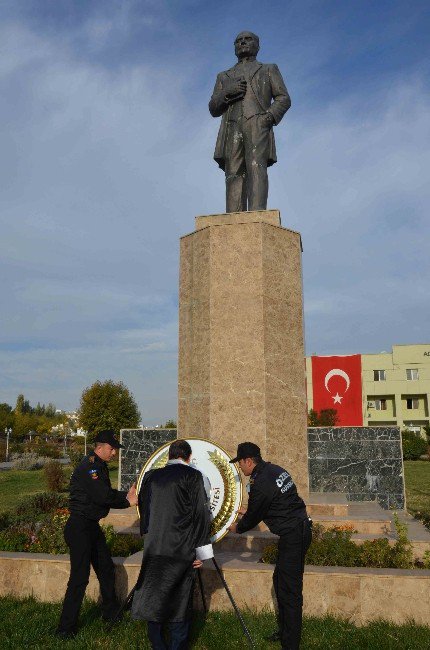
(15,485)
(27,623)
(417,478)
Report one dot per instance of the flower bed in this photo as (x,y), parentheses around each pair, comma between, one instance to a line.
(36,526)
(334,547)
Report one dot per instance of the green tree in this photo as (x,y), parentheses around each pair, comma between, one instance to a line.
(50,410)
(325,418)
(23,423)
(107,405)
(413,445)
(22,405)
(328,418)
(170,424)
(313,418)
(39,409)
(6,417)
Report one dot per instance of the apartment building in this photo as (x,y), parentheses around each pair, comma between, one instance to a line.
(395,386)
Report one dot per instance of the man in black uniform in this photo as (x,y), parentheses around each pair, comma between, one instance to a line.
(91,497)
(273,499)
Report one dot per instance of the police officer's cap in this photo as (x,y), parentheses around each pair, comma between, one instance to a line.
(108,436)
(246,450)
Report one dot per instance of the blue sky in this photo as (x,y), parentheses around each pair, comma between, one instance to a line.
(106,158)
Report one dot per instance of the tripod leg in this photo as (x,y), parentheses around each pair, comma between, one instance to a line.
(123,608)
(235,607)
(202,592)
(127,602)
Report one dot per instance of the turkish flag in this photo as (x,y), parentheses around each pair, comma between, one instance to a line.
(336,384)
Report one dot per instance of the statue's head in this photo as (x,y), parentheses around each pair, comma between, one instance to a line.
(246,44)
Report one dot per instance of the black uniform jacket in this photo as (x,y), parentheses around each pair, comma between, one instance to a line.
(273,499)
(175,520)
(91,493)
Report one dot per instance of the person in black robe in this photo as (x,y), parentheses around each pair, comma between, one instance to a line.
(175,519)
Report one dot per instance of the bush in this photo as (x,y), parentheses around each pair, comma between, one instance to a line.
(424,517)
(16,538)
(37,526)
(54,476)
(402,556)
(122,545)
(426,560)
(2,451)
(15,448)
(28,461)
(376,553)
(413,445)
(41,503)
(42,448)
(76,455)
(334,547)
(5,520)
(50,537)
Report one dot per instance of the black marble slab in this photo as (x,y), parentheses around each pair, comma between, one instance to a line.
(365,463)
(139,445)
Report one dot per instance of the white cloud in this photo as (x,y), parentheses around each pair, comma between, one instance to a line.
(357,188)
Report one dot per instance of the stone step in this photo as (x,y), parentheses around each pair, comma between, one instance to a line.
(318,504)
(327,503)
(359,523)
(256,541)
(368,519)
(126,518)
(253,541)
(366,522)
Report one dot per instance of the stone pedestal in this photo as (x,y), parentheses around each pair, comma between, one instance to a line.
(241,343)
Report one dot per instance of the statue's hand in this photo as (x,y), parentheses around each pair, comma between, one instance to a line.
(235,89)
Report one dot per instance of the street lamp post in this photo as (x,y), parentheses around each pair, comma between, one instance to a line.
(7,431)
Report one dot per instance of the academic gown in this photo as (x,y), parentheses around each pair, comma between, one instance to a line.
(175,521)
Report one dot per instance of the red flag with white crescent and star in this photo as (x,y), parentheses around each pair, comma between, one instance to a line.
(336,384)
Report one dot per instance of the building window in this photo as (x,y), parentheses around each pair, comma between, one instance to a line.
(412,374)
(381,404)
(412,403)
(379,375)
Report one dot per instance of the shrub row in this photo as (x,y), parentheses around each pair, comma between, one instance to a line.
(334,547)
(37,524)
(28,461)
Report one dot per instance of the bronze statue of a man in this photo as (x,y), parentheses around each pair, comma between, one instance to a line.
(252,98)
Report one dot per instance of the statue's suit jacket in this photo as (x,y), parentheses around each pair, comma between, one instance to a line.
(267,84)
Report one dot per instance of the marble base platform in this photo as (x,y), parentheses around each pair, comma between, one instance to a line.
(355,594)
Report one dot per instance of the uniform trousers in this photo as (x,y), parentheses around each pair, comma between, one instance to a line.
(87,546)
(178,635)
(246,156)
(288,582)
